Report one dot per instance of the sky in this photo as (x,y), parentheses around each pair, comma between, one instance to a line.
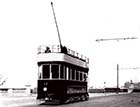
(27,24)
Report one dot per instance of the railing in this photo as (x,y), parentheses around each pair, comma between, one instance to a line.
(57,49)
(52,48)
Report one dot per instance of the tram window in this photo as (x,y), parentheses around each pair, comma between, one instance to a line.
(39,75)
(69,71)
(85,77)
(62,71)
(65,72)
(77,75)
(39,72)
(81,76)
(73,74)
(46,71)
(55,71)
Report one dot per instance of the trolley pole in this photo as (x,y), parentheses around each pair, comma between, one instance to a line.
(56,24)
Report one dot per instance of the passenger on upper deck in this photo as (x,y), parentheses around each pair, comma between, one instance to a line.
(47,50)
(64,49)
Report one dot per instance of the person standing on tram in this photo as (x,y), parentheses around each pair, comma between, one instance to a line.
(47,50)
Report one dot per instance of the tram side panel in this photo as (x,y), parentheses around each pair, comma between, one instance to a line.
(61,89)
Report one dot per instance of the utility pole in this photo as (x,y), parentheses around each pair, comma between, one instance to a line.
(117,91)
(117,39)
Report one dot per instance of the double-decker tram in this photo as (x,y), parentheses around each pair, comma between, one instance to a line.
(62,75)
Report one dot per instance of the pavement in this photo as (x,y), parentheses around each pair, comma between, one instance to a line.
(103,94)
(16,100)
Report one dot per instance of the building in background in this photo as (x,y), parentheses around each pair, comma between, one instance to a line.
(132,87)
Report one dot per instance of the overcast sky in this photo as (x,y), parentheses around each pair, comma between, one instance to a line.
(26,24)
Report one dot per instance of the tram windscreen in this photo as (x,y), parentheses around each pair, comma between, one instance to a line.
(46,71)
(55,71)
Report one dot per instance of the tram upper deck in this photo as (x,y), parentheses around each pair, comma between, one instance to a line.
(57,53)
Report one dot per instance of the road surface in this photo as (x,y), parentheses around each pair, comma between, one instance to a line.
(96,100)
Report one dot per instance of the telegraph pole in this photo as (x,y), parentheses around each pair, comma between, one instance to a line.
(117,39)
(117,91)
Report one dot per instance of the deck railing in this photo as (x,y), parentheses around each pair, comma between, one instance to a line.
(57,49)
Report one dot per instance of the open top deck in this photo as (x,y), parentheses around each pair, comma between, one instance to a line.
(45,49)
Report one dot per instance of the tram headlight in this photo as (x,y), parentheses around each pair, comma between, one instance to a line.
(45,89)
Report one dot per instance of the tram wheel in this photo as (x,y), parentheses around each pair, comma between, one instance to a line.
(86,97)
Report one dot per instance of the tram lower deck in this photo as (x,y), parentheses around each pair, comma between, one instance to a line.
(62,90)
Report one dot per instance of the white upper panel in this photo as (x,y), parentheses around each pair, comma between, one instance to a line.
(61,57)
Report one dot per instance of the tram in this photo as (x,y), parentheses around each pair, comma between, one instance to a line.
(62,75)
